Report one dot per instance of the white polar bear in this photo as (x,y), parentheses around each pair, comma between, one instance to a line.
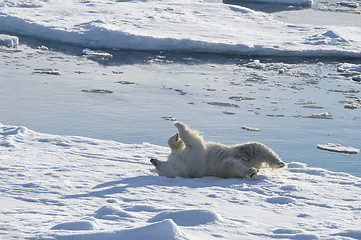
(192,157)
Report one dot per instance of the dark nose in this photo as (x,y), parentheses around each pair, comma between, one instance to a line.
(154,162)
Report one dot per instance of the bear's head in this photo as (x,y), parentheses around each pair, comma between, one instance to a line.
(175,142)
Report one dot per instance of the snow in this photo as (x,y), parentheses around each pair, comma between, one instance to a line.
(280,67)
(338,148)
(348,67)
(187,217)
(69,187)
(9,41)
(22,3)
(175,25)
(250,129)
(96,54)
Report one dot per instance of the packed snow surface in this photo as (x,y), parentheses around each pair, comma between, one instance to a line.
(67,187)
(174,25)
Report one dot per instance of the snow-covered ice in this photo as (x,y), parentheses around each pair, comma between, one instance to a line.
(338,148)
(96,54)
(250,129)
(175,25)
(22,3)
(9,41)
(348,67)
(68,187)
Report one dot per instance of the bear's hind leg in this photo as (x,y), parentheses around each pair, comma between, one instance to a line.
(271,158)
(234,168)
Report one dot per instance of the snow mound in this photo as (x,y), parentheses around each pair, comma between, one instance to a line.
(188,217)
(75,226)
(9,41)
(111,213)
(280,67)
(164,230)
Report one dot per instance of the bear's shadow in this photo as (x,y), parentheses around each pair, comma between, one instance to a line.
(107,189)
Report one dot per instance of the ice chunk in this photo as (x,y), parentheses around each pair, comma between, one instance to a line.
(349,4)
(250,129)
(9,41)
(338,148)
(348,67)
(357,78)
(48,71)
(324,115)
(96,91)
(353,105)
(280,67)
(97,54)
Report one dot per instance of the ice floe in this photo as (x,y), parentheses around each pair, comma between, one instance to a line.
(175,25)
(338,148)
(68,187)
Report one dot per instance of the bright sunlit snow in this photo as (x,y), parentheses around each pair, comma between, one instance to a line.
(174,25)
(67,187)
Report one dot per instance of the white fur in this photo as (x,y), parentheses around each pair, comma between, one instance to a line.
(192,157)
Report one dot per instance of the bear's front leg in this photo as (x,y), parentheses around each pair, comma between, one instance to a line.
(190,137)
(180,126)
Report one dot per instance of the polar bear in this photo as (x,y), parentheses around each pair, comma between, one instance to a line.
(191,157)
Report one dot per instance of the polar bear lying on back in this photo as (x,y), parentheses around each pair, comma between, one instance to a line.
(192,157)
